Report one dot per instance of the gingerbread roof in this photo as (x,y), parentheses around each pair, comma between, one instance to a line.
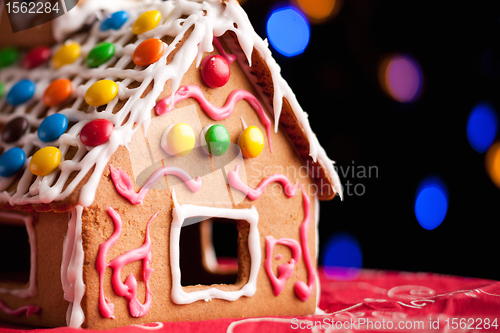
(192,27)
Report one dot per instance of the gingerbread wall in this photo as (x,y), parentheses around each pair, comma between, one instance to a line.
(279,216)
(49,232)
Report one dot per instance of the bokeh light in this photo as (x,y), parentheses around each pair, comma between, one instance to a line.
(401,77)
(319,11)
(288,31)
(492,162)
(482,127)
(343,258)
(431,203)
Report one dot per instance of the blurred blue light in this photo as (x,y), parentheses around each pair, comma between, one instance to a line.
(288,31)
(431,203)
(343,258)
(482,127)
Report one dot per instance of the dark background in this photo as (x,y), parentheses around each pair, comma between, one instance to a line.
(336,82)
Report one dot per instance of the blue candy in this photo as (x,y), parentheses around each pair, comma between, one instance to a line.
(11,161)
(52,127)
(115,21)
(21,92)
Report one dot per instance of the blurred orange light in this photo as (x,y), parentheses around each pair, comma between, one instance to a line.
(493,163)
(319,10)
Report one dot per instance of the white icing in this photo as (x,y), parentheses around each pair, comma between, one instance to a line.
(26,220)
(316,230)
(72,269)
(208,19)
(180,214)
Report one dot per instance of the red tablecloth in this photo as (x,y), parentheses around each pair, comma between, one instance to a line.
(377,301)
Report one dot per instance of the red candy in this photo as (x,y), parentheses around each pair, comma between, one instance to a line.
(148,52)
(96,132)
(36,57)
(215,71)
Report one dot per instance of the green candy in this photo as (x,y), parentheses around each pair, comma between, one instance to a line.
(101,53)
(2,89)
(8,56)
(217,139)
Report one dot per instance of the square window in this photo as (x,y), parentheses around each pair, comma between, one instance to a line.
(209,251)
(187,214)
(18,269)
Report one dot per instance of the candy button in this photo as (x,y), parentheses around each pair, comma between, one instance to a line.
(21,92)
(178,140)
(14,129)
(12,161)
(45,161)
(146,21)
(100,93)
(215,71)
(2,89)
(96,132)
(57,92)
(217,139)
(115,21)
(67,54)
(148,52)
(36,57)
(8,56)
(52,127)
(101,53)
(251,142)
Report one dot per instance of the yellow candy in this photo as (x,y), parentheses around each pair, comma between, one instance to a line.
(180,140)
(100,93)
(45,161)
(146,21)
(251,142)
(67,54)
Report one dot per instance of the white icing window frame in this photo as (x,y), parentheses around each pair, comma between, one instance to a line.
(183,212)
(14,218)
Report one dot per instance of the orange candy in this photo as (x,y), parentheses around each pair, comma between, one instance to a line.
(148,52)
(57,92)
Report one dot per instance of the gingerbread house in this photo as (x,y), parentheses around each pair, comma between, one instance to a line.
(156,167)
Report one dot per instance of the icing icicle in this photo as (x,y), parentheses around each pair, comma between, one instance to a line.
(253,194)
(129,288)
(192,91)
(124,185)
(28,309)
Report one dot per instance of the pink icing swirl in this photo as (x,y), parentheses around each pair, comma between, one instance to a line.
(129,288)
(284,270)
(230,58)
(125,187)
(165,105)
(302,290)
(253,194)
(28,309)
